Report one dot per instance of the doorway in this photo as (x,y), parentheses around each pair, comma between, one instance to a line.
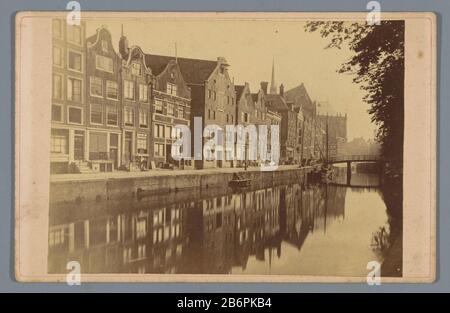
(78,145)
(114,149)
(128,147)
(169,154)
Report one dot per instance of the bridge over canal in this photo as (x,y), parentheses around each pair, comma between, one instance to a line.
(358,158)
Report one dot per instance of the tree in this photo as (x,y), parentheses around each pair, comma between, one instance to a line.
(378,67)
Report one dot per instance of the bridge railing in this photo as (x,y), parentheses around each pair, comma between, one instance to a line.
(354,158)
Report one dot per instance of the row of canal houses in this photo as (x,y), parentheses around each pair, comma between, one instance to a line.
(115,110)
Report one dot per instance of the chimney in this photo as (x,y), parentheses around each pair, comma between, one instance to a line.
(282,90)
(264,86)
(123,45)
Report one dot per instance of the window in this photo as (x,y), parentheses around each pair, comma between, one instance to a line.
(104,63)
(158,106)
(129,90)
(159,150)
(180,113)
(136,69)
(59,141)
(159,131)
(158,217)
(96,113)
(169,132)
(57,28)
(214,95)
(170,109)
(142,143)
(143,93)
(245,117)
(56,236)
(112,90)
(75,61)
(74,89)
(75,115)
(141,251)
(171,89)
(105,46)
(143,117)
(112,116)
(98,146)
(56,113)
(126,255)
(128,116)
(74,34)
(209,113)
(96,86)
(177,133)
(141,228)
(209,93)
(57,86)
(57,56)
(228,99)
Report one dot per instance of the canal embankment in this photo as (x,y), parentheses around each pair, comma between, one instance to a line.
(112,186)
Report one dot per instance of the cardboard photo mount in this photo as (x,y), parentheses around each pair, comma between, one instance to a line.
(33,70)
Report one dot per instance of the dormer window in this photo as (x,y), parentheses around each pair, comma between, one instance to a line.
(136,69)
(171,89)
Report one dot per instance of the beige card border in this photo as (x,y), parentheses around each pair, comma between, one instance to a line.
(32,143)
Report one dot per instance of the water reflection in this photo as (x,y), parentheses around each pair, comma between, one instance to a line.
(287,229)
(365,177)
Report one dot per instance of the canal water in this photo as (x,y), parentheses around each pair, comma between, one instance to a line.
(287,229)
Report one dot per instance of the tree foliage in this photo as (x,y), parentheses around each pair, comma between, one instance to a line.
(378,68)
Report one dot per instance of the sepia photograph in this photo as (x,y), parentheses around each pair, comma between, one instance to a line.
(207,147)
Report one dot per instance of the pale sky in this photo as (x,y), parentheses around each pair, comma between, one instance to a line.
(249,47)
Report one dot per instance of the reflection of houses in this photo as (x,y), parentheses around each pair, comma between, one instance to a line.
(68,144)
(211,226)
(167,239)
(309,210)
(257,224)
(329,204)
(144,241)
(213,235)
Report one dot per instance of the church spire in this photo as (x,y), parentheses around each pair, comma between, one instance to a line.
(273,88)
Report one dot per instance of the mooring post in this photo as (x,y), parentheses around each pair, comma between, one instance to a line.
(349,172)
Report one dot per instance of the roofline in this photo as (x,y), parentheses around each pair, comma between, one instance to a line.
(142,53)
(97,34)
